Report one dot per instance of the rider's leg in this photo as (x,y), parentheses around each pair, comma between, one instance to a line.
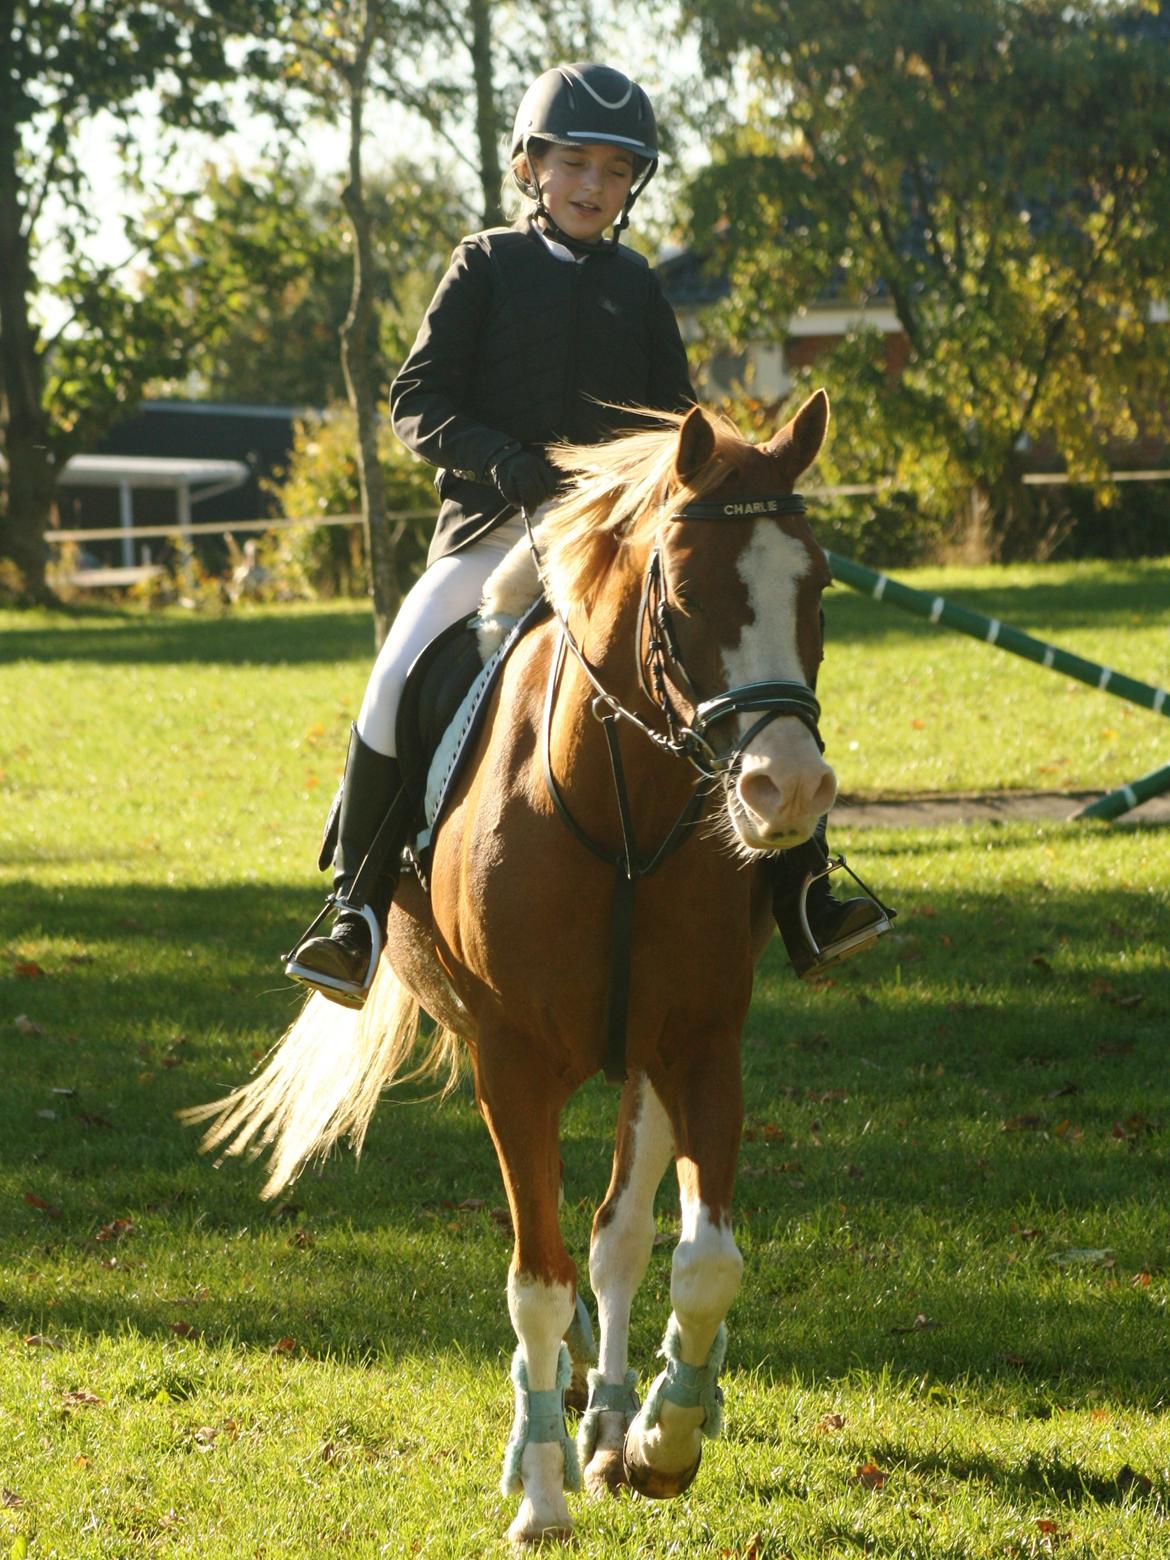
(375,815)
(840,927)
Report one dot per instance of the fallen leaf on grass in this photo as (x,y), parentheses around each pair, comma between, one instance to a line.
(47,1208)
(829,1422)
(1134,1127)
(1140,1281)
(40,1341)
(1128,1479)
(81,1398)
(11,1499)
(870,1475)
(1041,963)
(26,1025)
(117,1229)
(28,971)
(1065,1089)
(285,1347)
(920,1323)
(1051,1531)
(1023,1124)
(751,1552)
(183,1329)
(1016,1361)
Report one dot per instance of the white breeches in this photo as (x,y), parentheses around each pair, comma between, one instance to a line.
(449,590)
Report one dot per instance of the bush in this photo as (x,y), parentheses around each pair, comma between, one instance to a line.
(1129,520)
(322,479)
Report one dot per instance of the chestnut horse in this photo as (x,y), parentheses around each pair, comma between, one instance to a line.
(681,658)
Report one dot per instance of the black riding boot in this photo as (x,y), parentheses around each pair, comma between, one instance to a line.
(372,826)
(839,928)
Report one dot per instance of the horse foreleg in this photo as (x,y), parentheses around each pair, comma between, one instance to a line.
(540,1461)
(684,1404)
(623,1235)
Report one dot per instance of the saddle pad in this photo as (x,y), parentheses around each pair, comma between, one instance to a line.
(449,665)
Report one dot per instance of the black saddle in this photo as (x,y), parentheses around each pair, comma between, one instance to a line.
(438,682)
(436,685)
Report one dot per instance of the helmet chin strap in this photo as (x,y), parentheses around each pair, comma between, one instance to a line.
(580,246)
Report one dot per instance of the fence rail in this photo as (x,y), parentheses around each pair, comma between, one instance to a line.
(115,533)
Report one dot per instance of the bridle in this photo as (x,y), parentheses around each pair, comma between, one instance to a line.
(662,661)
(660,664)
(768,699)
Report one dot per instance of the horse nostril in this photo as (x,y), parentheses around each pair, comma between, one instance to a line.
(825,794)
(760,794)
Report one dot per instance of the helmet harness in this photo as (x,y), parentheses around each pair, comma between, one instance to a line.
(583,104)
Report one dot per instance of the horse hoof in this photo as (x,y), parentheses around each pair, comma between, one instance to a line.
(605,1474)
(652,1483)
(535,1538)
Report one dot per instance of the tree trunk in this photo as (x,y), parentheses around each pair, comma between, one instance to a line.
(360,356)
(31,478)
(487,128)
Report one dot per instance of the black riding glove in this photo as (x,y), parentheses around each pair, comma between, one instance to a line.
(525,480)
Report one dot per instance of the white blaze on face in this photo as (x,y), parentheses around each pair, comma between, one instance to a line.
(784,784)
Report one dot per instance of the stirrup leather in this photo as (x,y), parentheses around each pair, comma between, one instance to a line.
(853,942)
(349,993)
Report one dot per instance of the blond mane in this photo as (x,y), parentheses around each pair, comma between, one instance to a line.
(620,493)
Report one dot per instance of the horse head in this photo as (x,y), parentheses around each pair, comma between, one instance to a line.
(743,576)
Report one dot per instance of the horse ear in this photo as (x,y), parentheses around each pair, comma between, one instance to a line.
(801,439)
(696,445)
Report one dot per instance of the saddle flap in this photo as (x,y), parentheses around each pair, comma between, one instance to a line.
(436,685)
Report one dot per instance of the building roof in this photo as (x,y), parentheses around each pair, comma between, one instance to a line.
(152,471)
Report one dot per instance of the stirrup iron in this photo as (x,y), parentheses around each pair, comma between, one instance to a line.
(349,993)
(841,949)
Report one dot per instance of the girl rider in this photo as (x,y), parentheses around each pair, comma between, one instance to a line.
(539,332)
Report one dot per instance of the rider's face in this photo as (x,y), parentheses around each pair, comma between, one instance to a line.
(585,187)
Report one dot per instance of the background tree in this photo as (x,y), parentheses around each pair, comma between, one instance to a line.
(999,171)
(258,260)
(61,66)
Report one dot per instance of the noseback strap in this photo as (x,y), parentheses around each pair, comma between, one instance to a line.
(775,698)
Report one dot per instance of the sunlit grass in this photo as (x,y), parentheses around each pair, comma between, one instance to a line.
(950,1340)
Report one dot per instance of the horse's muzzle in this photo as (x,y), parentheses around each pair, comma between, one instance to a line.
(778,797)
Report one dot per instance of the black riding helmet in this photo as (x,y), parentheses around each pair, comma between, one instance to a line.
(584,103)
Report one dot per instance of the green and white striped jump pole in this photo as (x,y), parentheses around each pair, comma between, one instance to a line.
(937,609)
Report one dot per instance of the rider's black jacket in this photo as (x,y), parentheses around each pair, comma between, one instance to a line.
(519,347)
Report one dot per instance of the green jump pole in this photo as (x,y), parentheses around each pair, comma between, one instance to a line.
(937,609)
(1114,803)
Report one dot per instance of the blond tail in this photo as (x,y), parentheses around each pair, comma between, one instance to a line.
(323,1080)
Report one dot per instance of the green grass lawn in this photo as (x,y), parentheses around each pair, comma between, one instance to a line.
(951,1336)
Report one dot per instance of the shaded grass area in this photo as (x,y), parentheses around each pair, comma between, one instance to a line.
(951,1202)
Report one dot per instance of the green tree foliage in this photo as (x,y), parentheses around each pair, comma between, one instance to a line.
(322,478)
(995,170)
(259,262)
(61,67)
